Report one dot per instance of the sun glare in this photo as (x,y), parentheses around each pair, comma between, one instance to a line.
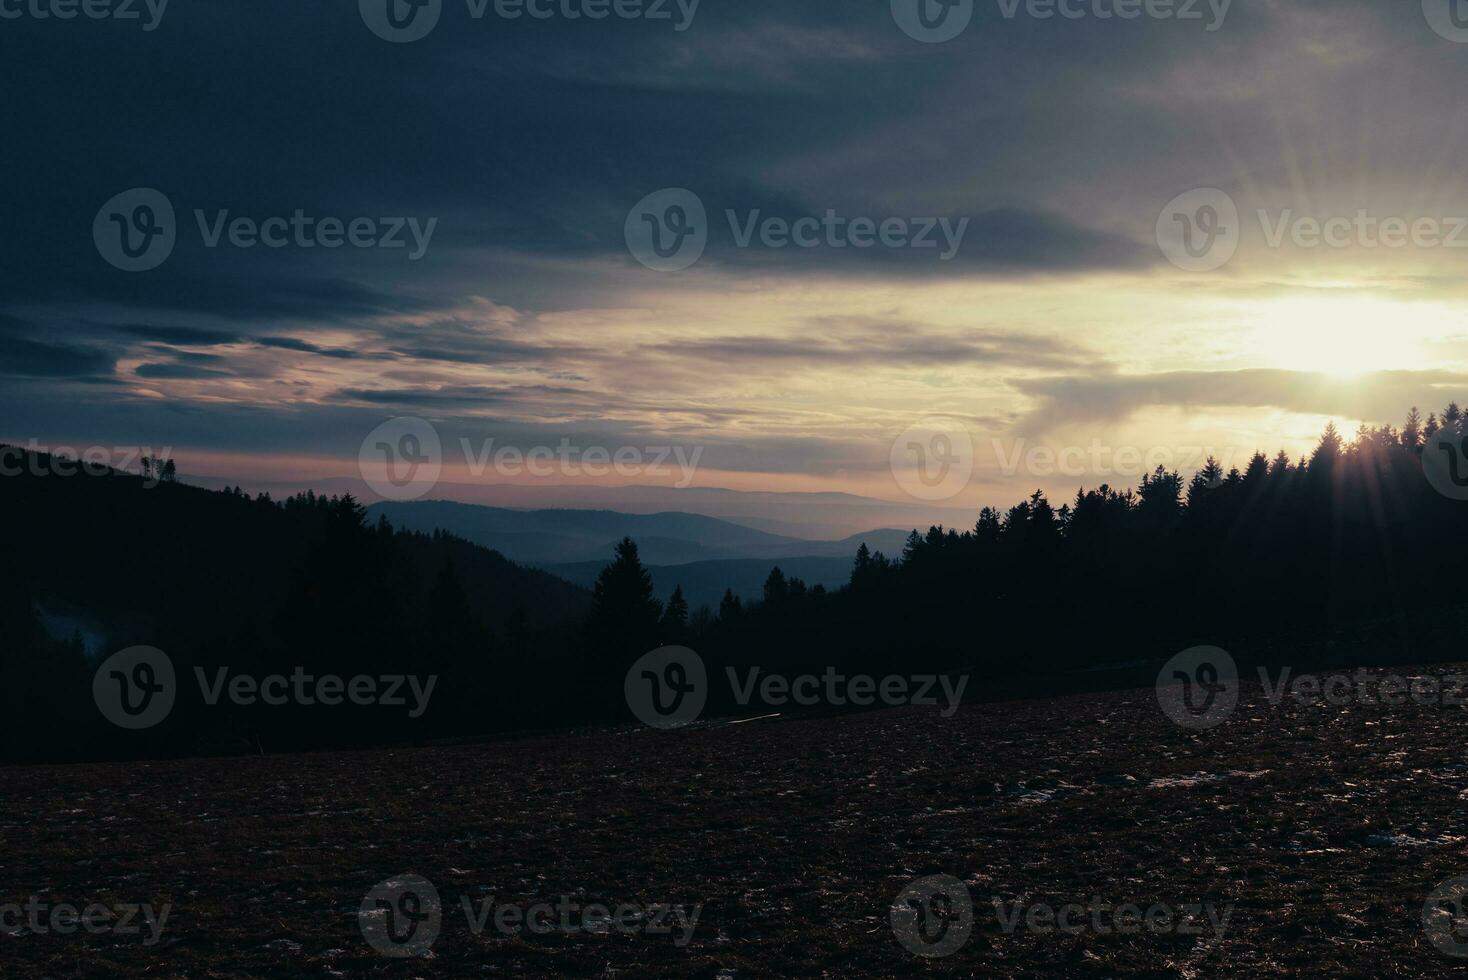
(1346,336)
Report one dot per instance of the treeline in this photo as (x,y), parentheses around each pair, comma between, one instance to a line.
(260,587)
(1348,553)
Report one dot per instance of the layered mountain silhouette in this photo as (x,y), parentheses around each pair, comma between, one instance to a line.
(563,539)
(816,515)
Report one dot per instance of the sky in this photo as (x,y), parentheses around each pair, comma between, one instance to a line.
(1047,251)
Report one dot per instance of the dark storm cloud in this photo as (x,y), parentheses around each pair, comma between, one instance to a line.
(306,347)
(177,371)
(530,141)
(192,336)
(460,397)
(523,136)
(459,342)
(536,137)
(19,356)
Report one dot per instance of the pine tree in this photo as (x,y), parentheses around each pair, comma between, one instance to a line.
(1412,431)
(777,590)
(863,569)
(913,545)
(1328,450)
(1161,496)
(624,613)
(675,617)
(730,607)
(1208,478)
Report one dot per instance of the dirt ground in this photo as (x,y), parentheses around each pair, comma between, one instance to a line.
(1320,830)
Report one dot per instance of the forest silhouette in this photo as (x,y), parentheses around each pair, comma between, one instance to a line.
(1348,556)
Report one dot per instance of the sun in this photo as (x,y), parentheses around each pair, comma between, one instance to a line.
(1348,335)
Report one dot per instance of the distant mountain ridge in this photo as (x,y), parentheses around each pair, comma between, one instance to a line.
(817,515)
(558,537)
